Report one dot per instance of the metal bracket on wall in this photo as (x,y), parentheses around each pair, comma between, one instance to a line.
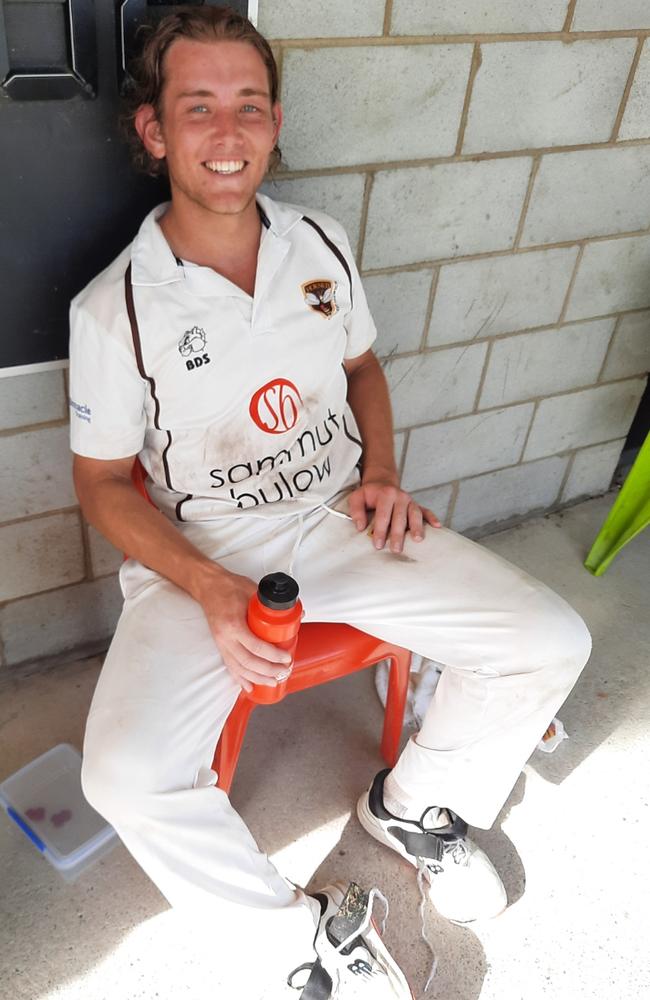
(44,82)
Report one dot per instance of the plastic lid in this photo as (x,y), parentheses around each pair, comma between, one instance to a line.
(278,591)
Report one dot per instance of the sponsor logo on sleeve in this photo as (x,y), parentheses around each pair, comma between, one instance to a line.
(192,347)
(81,411)
(319,294)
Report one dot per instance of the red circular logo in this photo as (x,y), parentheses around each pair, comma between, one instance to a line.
(275,407)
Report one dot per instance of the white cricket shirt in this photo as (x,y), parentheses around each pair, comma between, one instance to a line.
(234,404)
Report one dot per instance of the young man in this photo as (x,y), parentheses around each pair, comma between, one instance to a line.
(229,347)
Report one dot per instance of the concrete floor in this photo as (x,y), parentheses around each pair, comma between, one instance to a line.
(569,842)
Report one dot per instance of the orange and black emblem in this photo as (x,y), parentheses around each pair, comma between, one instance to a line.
(319,296)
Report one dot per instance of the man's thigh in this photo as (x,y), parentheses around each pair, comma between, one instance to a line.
(445,597)
(164,693)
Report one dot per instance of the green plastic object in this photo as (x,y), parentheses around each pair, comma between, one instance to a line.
(629,515)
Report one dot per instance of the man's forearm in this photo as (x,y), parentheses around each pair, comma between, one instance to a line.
(135,527)
(370,403)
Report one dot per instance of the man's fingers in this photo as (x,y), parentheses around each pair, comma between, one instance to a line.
(357,510)
(382,519)
(398,525)
(263,650)
(415,519)
(431,518)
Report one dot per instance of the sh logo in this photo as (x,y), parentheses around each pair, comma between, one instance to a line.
(192,348)
(275,408)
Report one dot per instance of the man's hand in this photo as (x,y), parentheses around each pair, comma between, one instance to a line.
(250,660)
(395,512)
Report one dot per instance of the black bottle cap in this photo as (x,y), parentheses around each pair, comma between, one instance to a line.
(278,591)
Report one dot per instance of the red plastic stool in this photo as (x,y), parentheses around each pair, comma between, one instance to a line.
(324,652)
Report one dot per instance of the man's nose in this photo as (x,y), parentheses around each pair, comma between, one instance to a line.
(226,124)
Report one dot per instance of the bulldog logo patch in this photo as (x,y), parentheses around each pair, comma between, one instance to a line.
(192,347)
(319,296)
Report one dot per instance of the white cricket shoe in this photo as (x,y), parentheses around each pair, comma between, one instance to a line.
(463,883)
(352,962)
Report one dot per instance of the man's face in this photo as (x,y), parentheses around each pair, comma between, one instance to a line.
(217,127)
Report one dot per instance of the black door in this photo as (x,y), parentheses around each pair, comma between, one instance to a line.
(69,199)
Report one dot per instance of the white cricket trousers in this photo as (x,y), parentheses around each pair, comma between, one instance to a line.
(513,650)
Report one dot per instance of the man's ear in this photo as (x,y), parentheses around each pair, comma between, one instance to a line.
(148,128)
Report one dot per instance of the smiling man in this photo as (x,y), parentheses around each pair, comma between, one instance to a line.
(229,348)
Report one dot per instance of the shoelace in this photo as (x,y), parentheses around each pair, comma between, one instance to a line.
(422,867)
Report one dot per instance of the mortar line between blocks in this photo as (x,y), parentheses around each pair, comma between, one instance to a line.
(531,400)
(38,517)
(529,193)
(507,335)
(451,507)
(55,590)
(566,452)
(279,59)
(456,484)
(601,373)
(491,38)
(435,161)
(435,276)
(481,381)
(402,460)
(628,87)
(528,433)
(45,425)
(388,17)
(363,221)
(85,541)
(570,14)
(504,252)
(565,477)
(569,291)
(66,393)
(474,66)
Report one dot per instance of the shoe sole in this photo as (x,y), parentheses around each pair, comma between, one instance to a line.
(375,829)
(336,892)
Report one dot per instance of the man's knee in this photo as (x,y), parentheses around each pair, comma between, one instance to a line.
(117,777)
(556,637)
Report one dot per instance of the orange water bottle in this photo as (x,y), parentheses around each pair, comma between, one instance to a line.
(274,614)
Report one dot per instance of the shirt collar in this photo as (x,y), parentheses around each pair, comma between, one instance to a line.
(152,260)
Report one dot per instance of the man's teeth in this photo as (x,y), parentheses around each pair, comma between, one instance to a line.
(225,166)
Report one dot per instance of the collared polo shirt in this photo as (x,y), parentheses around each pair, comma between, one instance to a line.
(235,404)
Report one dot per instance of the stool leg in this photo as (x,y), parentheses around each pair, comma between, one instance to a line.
(398,682)
(230,743)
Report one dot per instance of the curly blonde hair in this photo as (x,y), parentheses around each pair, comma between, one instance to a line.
(147,73)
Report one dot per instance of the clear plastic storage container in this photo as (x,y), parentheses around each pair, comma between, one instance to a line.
(45,800)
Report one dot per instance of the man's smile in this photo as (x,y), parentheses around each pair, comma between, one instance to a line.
(225,166)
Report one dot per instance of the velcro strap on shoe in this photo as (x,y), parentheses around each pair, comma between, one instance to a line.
(419,845)
(318,986)
(376,796)
(455,830)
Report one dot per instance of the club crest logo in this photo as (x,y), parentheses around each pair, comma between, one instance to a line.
(192,347)
(275,407)
(319,296)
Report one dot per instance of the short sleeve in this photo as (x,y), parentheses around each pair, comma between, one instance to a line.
(107,393)
(359,324)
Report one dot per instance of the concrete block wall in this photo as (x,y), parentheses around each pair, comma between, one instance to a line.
(491,163)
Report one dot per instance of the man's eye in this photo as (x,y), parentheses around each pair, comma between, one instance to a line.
(250,107)
(201,108)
